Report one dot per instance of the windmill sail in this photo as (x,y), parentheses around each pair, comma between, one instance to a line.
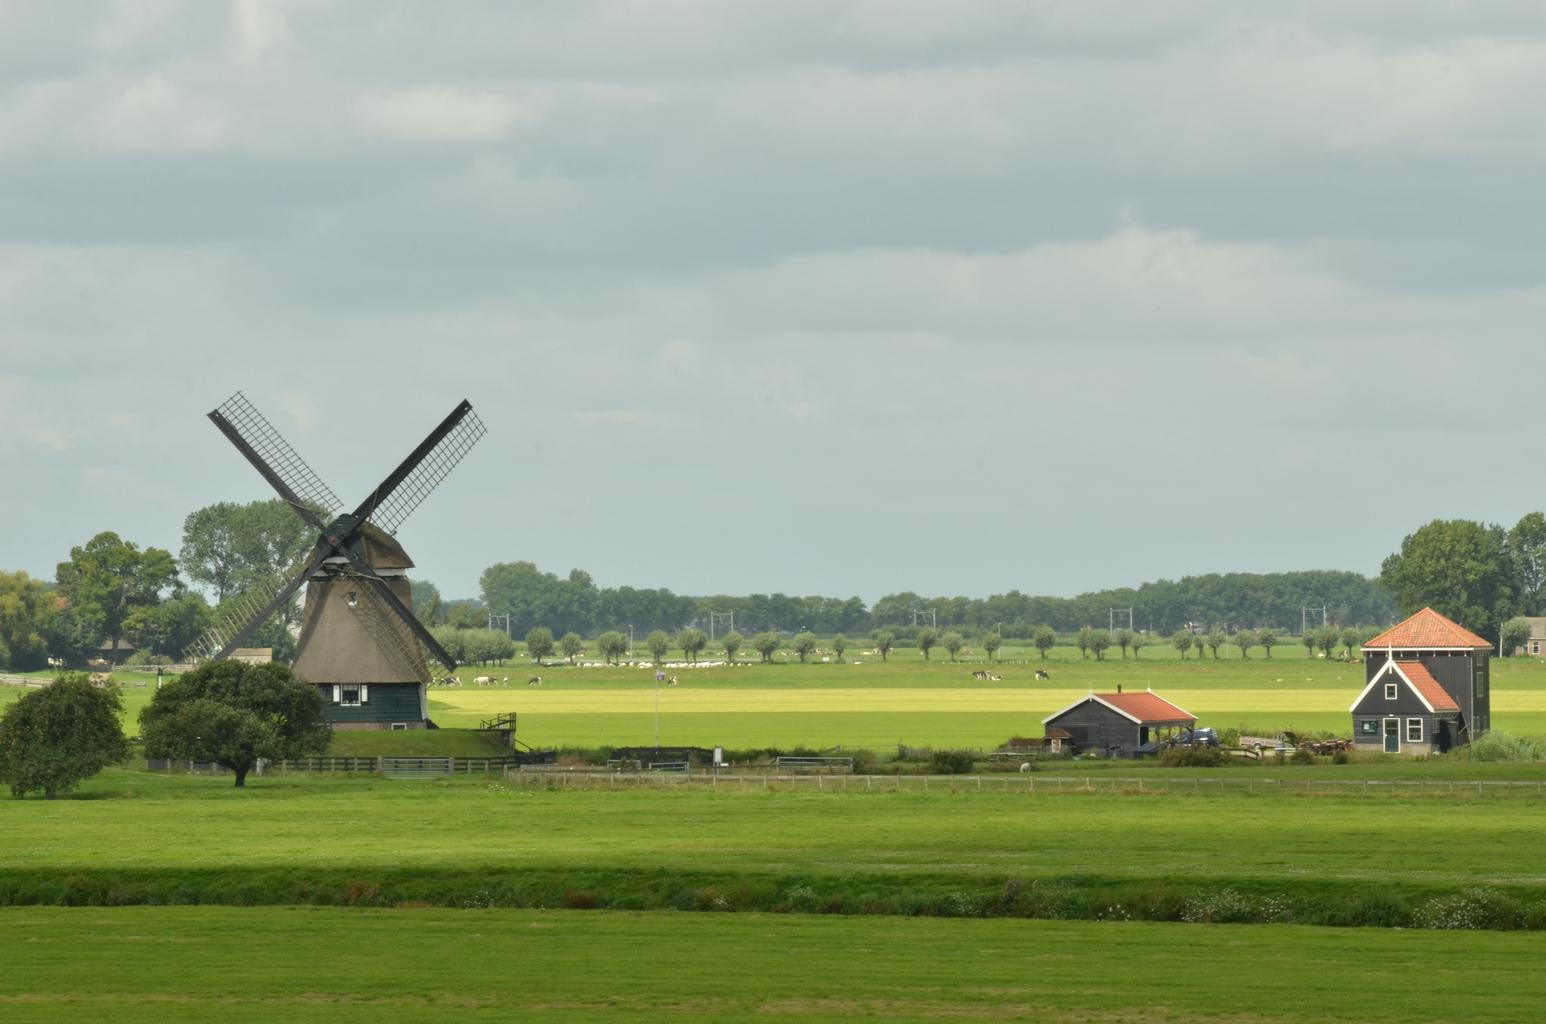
(274,455)
(239,617)
(433,466)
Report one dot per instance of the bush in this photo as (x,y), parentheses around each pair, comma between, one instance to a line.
(951,762)
(864,762)
(1501,746)
(1191,757)
(1302,755)
(1340,757)
(147,658)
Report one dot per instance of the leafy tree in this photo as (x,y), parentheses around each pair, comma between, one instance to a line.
(885,641)
(539,643)
(1084,640)
(839,645)
(1526,546)
(466,615)
(233,713)
(1309,638)
(1182,640)
(804,644)
(1124,640)
(170,627)
(1044,639)
(571,645)
(765,644)
(1216,638)
(1327,639)
(658,643)
(454,642)
(1100,642)
(228,546)
(1139,642)
(1516,634)
(428,607)
(692,641)
(1267,638)
(1458,567)
(991,642)
(51,739)
(1350,639)
(30,615)
(475,646)
(927,638)
(613,645)
(952,642)
(731,642)
(1245,639)
(107,578)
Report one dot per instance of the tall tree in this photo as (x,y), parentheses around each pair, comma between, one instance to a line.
(571,645)
(1245,639)
(1516,633)
(1216,638)
(613,645)
(1140,641)
(1124,640)
(952,642)
(1350,639)
(539,643)
(1527,552)
(30,614)
(885,641)
(227,545)
(765,644)
(107,578)
(1458,567)
(1267,638)
(927,638)
(1100,642)
(1044,639)
(804,644)
(991,642)
(52,738)
(731,642)
(428,607)
(1084,640)
(839,645)
(692,640)
(233,714)
(658,643)
(169,628)
(1182,641)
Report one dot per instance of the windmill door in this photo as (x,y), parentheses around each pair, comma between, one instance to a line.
(1392,735)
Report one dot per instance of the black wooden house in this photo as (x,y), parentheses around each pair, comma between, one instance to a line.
(1427,688)
(1118,724)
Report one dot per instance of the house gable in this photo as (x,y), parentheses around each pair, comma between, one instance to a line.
(1416,692)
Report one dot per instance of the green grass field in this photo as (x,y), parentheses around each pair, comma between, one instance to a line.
(878,704)
(191,964)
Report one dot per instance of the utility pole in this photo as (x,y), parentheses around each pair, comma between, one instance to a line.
(1304,617)
(1116,613)
(716,617)
(502,620)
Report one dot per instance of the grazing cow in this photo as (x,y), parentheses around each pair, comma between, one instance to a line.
(534,681)
(671,681)
(1043,674)
(450,681)
(979,674)
(489,680)
(996,678)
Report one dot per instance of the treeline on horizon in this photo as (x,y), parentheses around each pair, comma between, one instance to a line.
(574,603)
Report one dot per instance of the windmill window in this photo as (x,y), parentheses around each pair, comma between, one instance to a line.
(1390,691)
(350,696)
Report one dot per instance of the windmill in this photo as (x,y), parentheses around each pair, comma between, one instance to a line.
(360,641)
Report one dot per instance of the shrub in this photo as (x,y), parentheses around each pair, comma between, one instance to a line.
(1191,757)
(1302,755)
(950,762)
(1340,757)
(864,762)
(1502,746)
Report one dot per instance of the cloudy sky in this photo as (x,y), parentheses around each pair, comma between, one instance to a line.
(806,296)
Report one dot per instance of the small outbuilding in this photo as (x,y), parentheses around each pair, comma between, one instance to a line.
(1427,687)
(1117,724)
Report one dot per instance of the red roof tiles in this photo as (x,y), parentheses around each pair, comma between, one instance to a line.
(1423,682)
(1427,630)
(1148,708)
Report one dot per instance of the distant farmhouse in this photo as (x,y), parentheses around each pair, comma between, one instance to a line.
(1116,724)
(1427,688)
(1535,647)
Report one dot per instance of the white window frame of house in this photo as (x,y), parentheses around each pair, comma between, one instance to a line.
(362,695)
(1414,725)
(1391,689)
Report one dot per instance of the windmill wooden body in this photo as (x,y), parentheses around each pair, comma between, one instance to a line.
(359,641)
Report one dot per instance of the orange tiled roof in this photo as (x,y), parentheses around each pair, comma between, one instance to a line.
(1147,707)
(1428,686)
(1427,629)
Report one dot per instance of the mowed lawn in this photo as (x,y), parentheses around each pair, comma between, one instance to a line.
(166,965)
(876,704)
(163,825)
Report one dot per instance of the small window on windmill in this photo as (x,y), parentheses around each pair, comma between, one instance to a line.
(350,697)
(352,598)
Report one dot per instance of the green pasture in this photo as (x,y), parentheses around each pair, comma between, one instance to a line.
(193,964)
(873,704)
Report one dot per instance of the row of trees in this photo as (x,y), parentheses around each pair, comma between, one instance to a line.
(1479,574)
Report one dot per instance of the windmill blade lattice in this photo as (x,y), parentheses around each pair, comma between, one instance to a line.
(282,459)
(426,476)
(377,618)
(240,614)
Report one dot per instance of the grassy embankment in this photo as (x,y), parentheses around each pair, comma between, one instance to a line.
(168,965)
(139,838)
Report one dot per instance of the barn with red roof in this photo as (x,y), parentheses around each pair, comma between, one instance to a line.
(1119,724)
(1427,687)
